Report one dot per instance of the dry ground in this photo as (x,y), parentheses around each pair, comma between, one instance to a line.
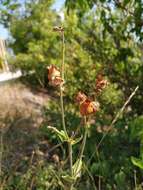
(18,100)
(21,114)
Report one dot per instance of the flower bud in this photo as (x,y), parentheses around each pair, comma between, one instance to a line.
(101,83)
(80,97)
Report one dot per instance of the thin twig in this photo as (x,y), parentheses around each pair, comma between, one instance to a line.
(114,120)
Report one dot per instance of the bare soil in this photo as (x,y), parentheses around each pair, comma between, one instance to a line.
(21,115)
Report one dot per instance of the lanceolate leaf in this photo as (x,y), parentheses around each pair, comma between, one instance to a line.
(75,141)
(77,168)
(61,134)
(137,162)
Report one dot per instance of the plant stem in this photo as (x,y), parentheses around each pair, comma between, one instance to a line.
(62,105)
(70,157)
(63,55)
(61,86)
(84,139)
(62,109)
(135,179)
(71,163)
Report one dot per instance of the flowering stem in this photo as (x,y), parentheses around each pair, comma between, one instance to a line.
(62,104)
(63,55)
(62,109)
(61,86)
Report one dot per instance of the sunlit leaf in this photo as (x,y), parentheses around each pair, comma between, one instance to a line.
(61,134)
(137,162)
(77,168)
(75,141)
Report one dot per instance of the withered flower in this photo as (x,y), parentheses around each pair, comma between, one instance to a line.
(80,97)
(88,107)
(54,76)
(101,83)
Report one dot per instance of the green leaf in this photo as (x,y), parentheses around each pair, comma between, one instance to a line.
(136,128)
(120,179)
(95,168)
(137,162)
(75,141)
(68,178)
(6,2)
(126,2)
(61,134)
(77,168)
(13,6)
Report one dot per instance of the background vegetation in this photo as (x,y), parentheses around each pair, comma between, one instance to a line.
(103,36)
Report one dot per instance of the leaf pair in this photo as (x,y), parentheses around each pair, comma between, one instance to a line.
(76,169)
(64,136)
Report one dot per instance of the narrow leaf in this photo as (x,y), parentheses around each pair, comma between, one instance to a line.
(137,162)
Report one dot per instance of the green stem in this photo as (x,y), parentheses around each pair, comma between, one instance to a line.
(84,140)
(63,55)
(62,105)
(70,157)
(71,163)
(62,109)
(61,86)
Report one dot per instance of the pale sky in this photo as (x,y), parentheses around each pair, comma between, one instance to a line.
(4,33)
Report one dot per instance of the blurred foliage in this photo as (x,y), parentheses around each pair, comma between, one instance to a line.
(101,37)
(129,13)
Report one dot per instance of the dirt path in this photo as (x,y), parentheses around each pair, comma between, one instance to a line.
(21,114)
(18,100)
